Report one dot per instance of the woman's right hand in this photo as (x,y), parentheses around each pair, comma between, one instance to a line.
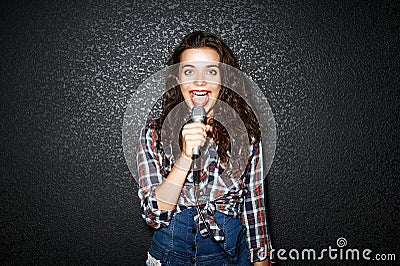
(193,135)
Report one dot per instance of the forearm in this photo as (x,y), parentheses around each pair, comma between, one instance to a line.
(168,192)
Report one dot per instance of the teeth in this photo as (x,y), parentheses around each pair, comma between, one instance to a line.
(200,93)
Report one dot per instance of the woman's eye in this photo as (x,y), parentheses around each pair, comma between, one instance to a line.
(188,72)
(212,72)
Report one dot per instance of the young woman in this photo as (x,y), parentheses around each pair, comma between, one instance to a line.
(219,218)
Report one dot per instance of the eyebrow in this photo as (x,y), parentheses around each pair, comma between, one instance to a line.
(194,66)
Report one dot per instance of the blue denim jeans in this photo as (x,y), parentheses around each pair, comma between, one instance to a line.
(180,243)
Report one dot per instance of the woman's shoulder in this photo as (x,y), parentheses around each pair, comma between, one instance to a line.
(255,148)
(150,129)
(152,124)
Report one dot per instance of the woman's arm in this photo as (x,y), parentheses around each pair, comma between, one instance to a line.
(168,192)
(254,212)
(158,193)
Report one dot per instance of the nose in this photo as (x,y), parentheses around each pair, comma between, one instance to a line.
(200,81)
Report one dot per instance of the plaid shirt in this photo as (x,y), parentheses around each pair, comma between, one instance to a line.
(235,196)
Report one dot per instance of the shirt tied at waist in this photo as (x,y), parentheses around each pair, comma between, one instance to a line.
(229,204)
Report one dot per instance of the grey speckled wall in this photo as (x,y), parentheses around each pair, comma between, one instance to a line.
(329,69)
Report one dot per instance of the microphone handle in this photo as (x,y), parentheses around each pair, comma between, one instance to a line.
(196,152)
(198,115)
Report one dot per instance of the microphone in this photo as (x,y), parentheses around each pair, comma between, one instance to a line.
(198,115)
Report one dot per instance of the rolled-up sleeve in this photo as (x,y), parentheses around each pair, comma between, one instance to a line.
(149,161)
(254,214)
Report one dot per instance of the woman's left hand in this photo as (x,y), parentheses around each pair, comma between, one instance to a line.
(262,263)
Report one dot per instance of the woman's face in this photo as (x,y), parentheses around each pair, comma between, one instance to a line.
(200,77)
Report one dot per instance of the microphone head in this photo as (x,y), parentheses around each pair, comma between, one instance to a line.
(198,114)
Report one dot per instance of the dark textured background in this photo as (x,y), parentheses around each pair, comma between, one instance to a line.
(330,70)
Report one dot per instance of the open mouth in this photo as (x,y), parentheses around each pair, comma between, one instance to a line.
(199,97)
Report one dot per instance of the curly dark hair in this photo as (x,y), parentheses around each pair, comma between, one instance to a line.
(173,96)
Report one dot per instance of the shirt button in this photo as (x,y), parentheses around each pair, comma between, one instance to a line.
(194,230)
(194,248)
(192,260)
